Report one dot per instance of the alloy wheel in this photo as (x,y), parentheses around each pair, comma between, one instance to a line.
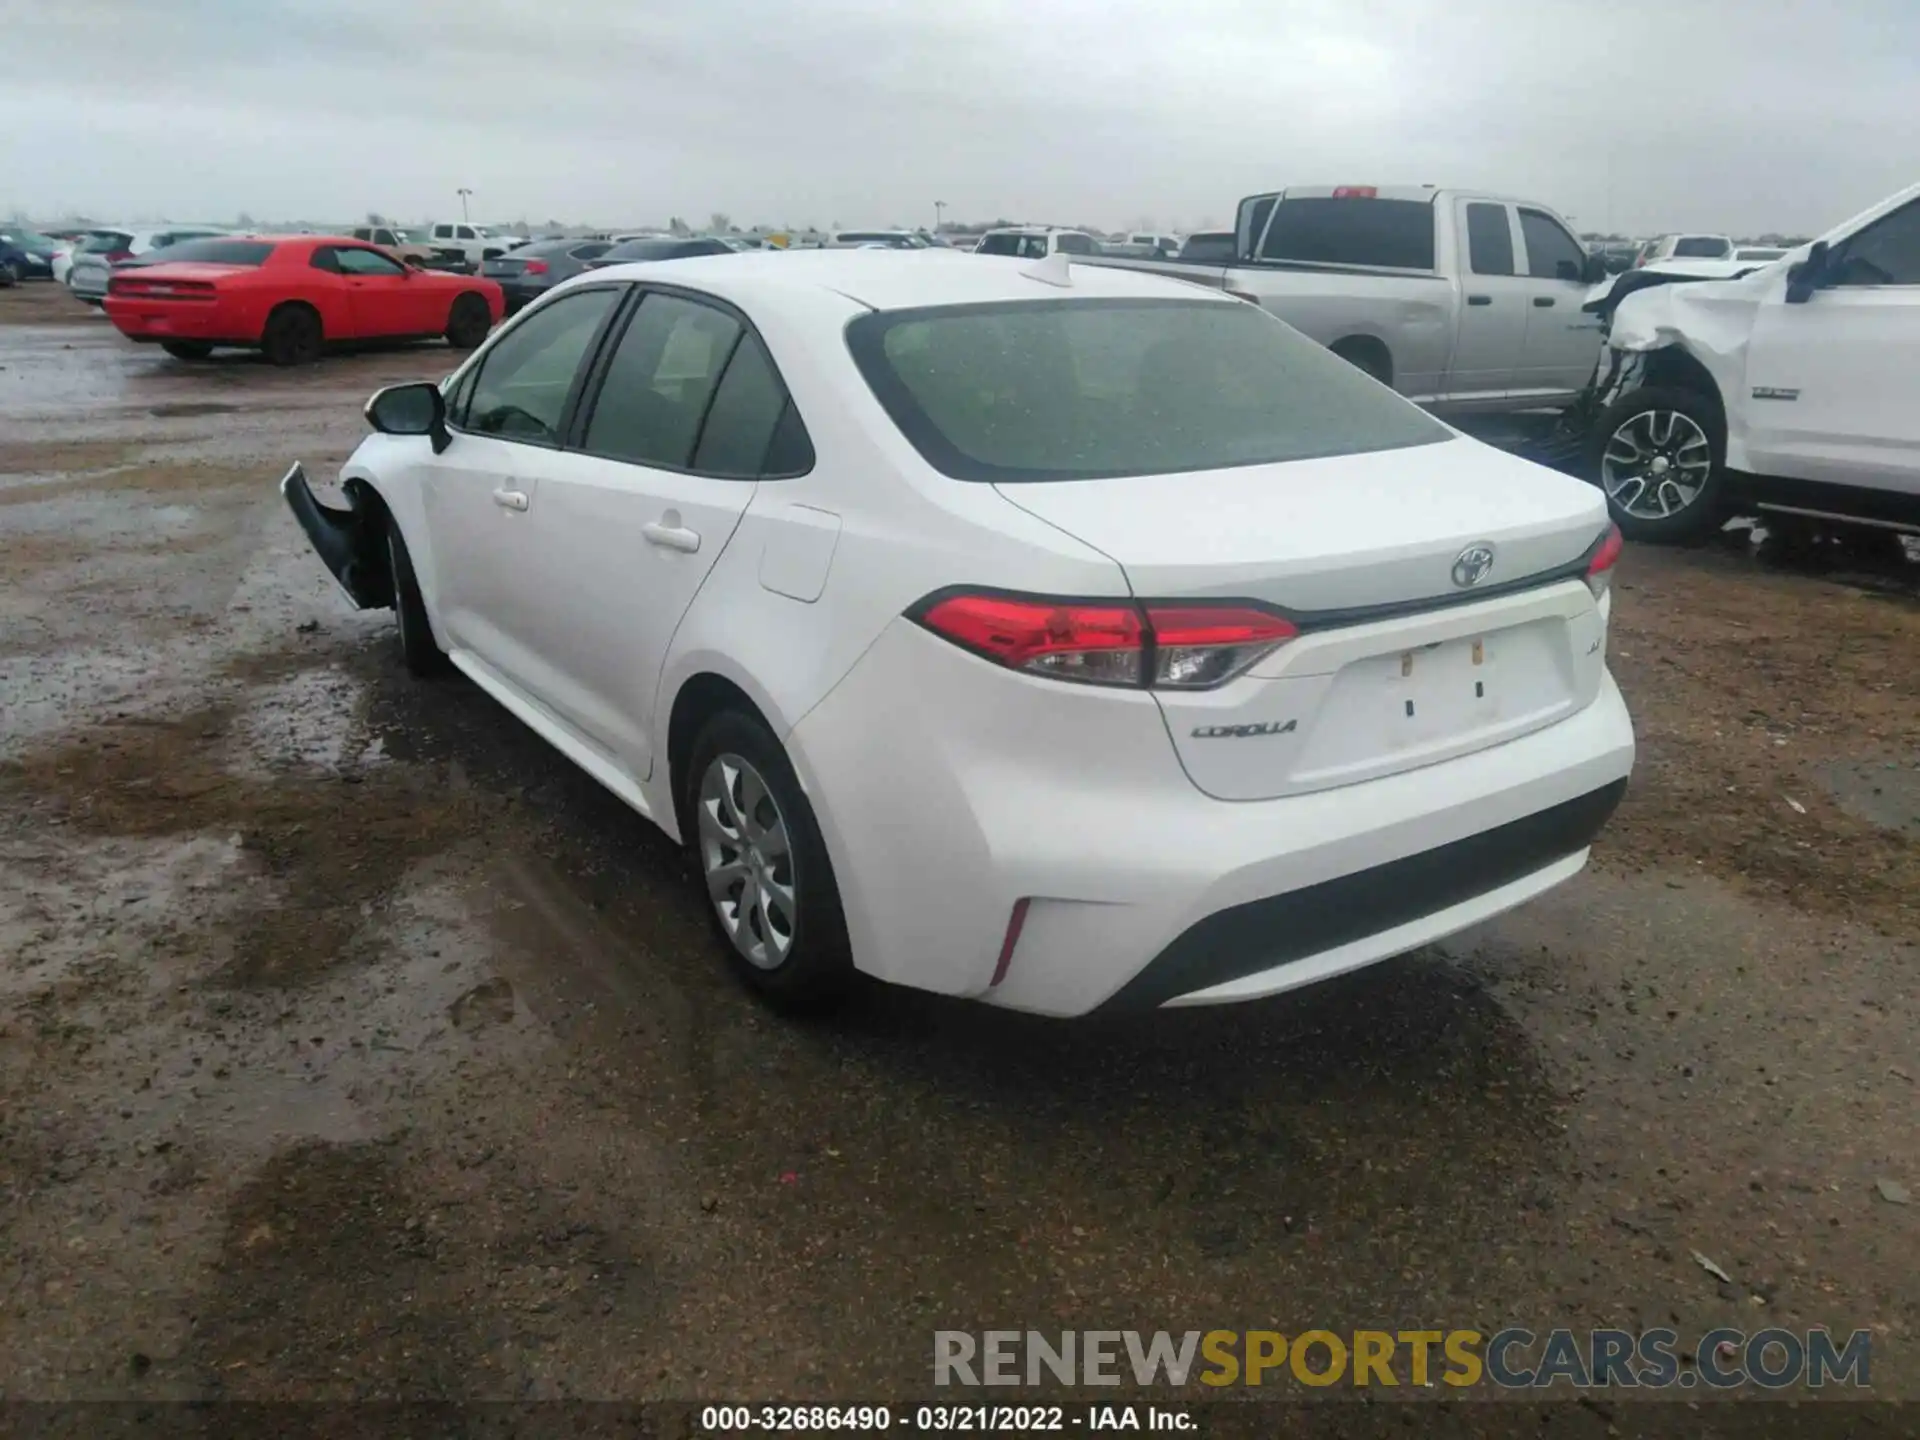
(1656,464)
(748,860)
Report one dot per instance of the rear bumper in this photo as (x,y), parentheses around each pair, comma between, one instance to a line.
(949,790)
(518,296)
(152,320)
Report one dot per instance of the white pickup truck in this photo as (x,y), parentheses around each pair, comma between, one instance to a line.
(1793,391)
(469,245)
(1463,302)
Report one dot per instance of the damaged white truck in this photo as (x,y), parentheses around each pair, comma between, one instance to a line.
(1793,392)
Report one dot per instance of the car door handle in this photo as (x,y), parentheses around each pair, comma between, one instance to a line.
(1543,302)
(1479,299)
(671,537)
(511,499)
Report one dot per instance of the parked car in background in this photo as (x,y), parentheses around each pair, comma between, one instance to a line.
(403,244)
(291,296)
(1214,245)
(899,593)
(1685,247)
(524,275)
(1463,302)
(660,247)
(860,239)
(459,243)
(72,245)
(1790,390)
(1036,242)
(1155,240)
(101,255)
(36,253)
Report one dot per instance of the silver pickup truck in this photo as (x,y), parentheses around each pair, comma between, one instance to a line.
(1462,302)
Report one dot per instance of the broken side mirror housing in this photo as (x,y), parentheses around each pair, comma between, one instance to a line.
(1804,276)
(416,408)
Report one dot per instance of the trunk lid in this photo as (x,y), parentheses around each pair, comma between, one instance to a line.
(501,268)
(1398,664)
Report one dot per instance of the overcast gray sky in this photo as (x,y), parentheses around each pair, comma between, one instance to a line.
(1714,114)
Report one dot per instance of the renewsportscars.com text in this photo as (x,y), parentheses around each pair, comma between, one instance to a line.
(1513,1358)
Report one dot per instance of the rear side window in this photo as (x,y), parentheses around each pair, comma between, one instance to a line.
(1887,252)
(1076,245)
(526,378)
(1011,245)
(1552,254)
(1699,247)
(660,381)
(746,409)
(217,252)
(1086,389)
(1394,233)
(1489,240)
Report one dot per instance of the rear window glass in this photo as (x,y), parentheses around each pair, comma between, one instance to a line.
(1088,389)
(107,242)
(211,252)
(647,250)
(1396,233)
(1033,246)
(1699,247)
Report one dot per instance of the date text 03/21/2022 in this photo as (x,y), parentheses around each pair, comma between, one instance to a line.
(939,1419)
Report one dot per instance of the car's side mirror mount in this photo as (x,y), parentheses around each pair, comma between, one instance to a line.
(1804,276)
(416,408)
(1592,272)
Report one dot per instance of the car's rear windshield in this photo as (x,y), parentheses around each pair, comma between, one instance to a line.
(647,250)
(1341,230)
(1095,388)
(211,252)
(104,242)
(1699,247)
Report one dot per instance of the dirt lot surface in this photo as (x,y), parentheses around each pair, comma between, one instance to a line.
(354,1045)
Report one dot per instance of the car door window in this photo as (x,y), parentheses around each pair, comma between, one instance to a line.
(1489,240)
(746,408)
(1887,252)
(525,379)
(1552,254)
(327,258)
(466,232)
(352,261)
(1076,245)
(660,381)
(443,232)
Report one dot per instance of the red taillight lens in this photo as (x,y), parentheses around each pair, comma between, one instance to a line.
(1356,192)
(1600,568)
(1183,647)
(535,267)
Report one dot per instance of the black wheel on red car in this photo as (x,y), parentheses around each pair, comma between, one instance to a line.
(468,322)
(771,893)
(293,335)
(187,349)
(423,655)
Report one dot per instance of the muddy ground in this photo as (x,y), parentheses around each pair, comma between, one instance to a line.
(354,1045)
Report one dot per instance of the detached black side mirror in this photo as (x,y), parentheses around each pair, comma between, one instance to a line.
(416,408)
(1804,276)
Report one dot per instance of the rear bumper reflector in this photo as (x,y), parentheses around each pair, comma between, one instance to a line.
(1015,923)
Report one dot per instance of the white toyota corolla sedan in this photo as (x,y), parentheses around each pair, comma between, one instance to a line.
(1068,638)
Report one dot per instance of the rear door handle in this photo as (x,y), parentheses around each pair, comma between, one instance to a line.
(1479,299)
(671,537)
(1543,302)
(511,499)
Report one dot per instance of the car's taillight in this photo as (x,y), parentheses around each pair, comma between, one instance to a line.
(1600,568)
(1172,646)
(534,267)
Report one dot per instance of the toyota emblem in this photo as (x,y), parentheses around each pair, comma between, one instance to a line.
(1472,565)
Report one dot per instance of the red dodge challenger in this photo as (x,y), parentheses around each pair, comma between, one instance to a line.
(290,296)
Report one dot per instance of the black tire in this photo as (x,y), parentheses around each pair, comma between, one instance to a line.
(817,967)
(293,336)
(1636,423)
(425,659)
(187,349)
(9,275)
(468,322)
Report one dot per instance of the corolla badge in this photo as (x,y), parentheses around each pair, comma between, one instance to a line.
(1472,564)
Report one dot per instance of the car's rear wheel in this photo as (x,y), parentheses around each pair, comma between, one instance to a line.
(418,648)
(1658,454)
(187,349)
(9,274)
(468,322)
(293,336)
(770,887)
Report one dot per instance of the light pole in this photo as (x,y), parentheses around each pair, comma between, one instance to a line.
(939,210)
(463,193)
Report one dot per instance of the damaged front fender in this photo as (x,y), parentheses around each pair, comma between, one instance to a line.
(348,541)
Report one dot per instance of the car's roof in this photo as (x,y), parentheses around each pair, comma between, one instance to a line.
(899,279)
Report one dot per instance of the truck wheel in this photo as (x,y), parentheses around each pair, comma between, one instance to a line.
(292,336)
(1659,455)
(468,322)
